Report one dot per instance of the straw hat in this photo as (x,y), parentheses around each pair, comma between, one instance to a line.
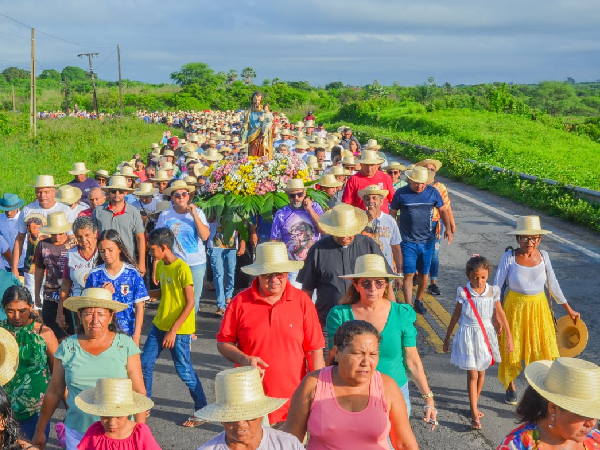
(127,172)
(102,174)
(419,175)
(343,220)
(112,397)
(199,170)
(370,266)
(329,180)
(370,157)
(161,175)
(314,164)
(373,189)
(571,383)
(302,144)
(395,165)
(337,170)
(285,132)
(272,257)
(56,224)
(529,226)
(572,337)
(319,141)
(299,134)
(78,169)
(165,205)
(67,194)
(435,162)
(310,124)
(117,182)
(145,190)
(94,298)
(239,396)
(194,156)
(178,185)
(187,148)
(155,146)
(167,166)
(372,145)
(225,149)
(9,356)
(294,184)
(44,181)
(211,154)
(10,202)
(169,153)
(190,180)
(299,124)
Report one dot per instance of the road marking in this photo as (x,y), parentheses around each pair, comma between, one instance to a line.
(512,218)
(431,336)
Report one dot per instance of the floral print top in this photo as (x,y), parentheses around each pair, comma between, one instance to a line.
(26,390)
(527,437)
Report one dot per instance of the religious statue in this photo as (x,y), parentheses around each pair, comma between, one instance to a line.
(258,128)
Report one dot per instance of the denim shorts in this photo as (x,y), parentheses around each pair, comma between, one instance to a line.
(416,257)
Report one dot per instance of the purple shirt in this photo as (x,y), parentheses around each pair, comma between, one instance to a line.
(296,229)
(86,186)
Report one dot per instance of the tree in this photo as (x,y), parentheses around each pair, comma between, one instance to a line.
(396,84)
(266,82)
(73,73)
(194,73)
(431,81)
(334,85)
(14,73)
(232,76)
(276,81)
(248,74)
(50,74)
(570,80)
(555,97)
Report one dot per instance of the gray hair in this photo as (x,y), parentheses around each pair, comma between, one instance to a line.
(84,222)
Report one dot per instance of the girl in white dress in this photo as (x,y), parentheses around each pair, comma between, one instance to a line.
(472,350)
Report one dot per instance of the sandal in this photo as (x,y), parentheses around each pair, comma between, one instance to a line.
(475,424)
(219,312)
(193,422)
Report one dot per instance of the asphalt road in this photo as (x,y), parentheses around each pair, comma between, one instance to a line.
(482,221)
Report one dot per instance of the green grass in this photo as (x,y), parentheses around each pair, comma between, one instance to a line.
(60,143)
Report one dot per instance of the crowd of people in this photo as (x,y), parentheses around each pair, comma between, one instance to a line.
(317,304)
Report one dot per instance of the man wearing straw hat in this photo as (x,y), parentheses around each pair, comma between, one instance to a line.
(415,203)
(81,180)
(240,406)
(273,326)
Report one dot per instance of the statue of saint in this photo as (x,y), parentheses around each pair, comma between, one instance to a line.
(257,131)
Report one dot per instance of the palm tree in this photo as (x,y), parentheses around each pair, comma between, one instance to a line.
(248,74)
(232,76)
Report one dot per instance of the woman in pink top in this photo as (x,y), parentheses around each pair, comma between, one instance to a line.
(350,404)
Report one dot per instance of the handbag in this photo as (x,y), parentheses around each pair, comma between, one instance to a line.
(478,317)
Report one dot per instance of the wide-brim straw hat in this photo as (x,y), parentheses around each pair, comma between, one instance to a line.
(102,174)
(155,145)
(371,145)
(225,149)
(329,181)
(117,182)
(168,153)
(178,185)
(9,356)
(572,384)
(370,157)
(145,190)
(419,174)
(78,169)
(337,171)
(211,154)
(199,170)
(272,257)
(370,266)
(44,181)
(187,148)
(127,172)
(94,298)
(191,180)
(395,165)
(302,144)
(56,224)
(294,184)
(373,189)
(343,220)
(67,194)
(239,396)
(571,337)
(167,165)
(528,226)
(112,397)
(425,162)
(161,175)
(10,202)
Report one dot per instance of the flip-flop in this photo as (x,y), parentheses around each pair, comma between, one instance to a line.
(475,424)
(194,422)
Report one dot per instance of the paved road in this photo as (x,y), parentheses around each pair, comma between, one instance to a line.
(482,221)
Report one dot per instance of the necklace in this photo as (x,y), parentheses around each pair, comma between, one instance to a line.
(551,441)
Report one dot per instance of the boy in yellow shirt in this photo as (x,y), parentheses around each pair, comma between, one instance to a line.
(175,321)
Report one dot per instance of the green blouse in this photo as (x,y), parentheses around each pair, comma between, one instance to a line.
(399,332)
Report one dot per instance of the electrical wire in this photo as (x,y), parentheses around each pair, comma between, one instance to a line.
(106,59)
(15,35)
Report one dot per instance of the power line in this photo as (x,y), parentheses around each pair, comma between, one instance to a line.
(14,35)
(106,59)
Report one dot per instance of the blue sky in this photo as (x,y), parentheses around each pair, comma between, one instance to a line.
(463,41)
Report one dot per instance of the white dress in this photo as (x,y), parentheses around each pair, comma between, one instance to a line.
(469,350)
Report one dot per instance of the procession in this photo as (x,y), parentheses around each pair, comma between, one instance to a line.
(319,249)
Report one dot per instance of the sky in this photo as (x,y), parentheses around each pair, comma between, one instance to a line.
(320,41)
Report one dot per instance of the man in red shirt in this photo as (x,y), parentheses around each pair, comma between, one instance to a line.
(273,326)
(369,174)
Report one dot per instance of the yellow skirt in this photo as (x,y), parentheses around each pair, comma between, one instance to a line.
(533,333)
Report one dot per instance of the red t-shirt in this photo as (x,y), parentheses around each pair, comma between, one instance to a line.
(280,334)
(358,181)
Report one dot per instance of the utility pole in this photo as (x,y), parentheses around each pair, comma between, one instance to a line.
(13,98)
(120,84)
(32,109)
(66,95)
(94,98)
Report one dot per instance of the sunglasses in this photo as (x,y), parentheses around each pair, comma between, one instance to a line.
(181,195)
(379,284)
(393,172)
(534,239)
(117,191)
(296,195)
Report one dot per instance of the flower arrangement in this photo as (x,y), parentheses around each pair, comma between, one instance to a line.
(240,187)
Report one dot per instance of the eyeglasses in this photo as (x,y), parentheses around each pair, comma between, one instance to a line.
(379,284)
(117,191)
(296,194)
(393,172)
(534,239)
(181,195)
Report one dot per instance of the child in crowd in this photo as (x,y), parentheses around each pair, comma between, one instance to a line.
(175,321)
(120,276)
(475,345)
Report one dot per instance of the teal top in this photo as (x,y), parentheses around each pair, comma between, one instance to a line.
(399,332)
(83,369)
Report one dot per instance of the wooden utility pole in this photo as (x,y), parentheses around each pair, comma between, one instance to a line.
(13,98)
(66,95)
(32,105)
(94,98)
(120,84)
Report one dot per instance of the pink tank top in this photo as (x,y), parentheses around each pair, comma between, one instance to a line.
(332,427)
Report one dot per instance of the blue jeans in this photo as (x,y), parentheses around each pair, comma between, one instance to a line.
(28,427)
(435,257)
(198,272)
(223,262)
(183,365)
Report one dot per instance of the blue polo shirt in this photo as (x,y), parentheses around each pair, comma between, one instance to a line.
(416,212)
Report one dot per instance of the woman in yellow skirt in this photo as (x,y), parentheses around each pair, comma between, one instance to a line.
(527,270)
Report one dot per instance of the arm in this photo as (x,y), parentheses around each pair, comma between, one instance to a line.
(51,346)
(54,394)
(134,373)
(451,325)
(141,246)
(253,235)
(17,250)
(241,247)
(230,351)
(297,418)
(417,374)
(501,318)
(169,340)
(201,228)
(393,212)
(8,256)
(65,289)
(401,433)
(39,278)
(397,256)
(139,322)
(315,360)
(446,216)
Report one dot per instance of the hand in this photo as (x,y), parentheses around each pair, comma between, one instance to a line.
(254,239)
(510,346)
(430,413)
(39,439)
(169,340)
(497,325)
(109,287)
(399,283)
(448,235)
(572,313)
(192,208)
(136,339)
(60,320)
(257,362)
(38,303)
(142,269)
(307,204)
(446,347)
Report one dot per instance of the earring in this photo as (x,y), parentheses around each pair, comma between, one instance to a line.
(551,425)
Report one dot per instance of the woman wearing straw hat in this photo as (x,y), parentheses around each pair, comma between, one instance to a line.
(97,351)
(394,170)
(240,406)
(527,271)
(351,404)
(367,299)
(114,400)
(560,407)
